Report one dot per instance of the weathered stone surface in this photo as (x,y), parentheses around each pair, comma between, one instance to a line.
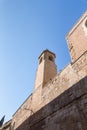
(77,38)
(65,112)
(23,112)
(54,88)
(59,101)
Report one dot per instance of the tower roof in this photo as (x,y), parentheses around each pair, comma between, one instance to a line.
(47,51)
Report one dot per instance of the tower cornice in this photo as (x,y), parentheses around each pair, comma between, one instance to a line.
(47,51)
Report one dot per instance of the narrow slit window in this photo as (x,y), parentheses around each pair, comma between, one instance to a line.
(40,60)
(86,23)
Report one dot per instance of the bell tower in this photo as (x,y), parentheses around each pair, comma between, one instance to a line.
(46,69)
(45,72)
(77,38)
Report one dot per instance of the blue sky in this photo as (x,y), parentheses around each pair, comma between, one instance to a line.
(27,27)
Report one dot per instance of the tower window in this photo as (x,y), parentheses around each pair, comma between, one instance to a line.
(86,23)
(51,58)
(40,60)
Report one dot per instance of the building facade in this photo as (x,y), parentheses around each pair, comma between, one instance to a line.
(59,100)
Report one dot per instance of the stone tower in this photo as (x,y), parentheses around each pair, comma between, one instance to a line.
(60,104)
(77,38)
(46,69)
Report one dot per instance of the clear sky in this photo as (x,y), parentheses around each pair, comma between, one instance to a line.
(27,27)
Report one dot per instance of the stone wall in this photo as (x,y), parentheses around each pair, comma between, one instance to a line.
(77,38)
(61,103)
(80,65)
(69,76)
(22,113)
(64,80)
(66,112)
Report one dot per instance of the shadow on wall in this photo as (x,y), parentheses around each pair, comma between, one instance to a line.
(66,112)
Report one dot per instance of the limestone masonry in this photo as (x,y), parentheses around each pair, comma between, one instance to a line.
(59,100)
